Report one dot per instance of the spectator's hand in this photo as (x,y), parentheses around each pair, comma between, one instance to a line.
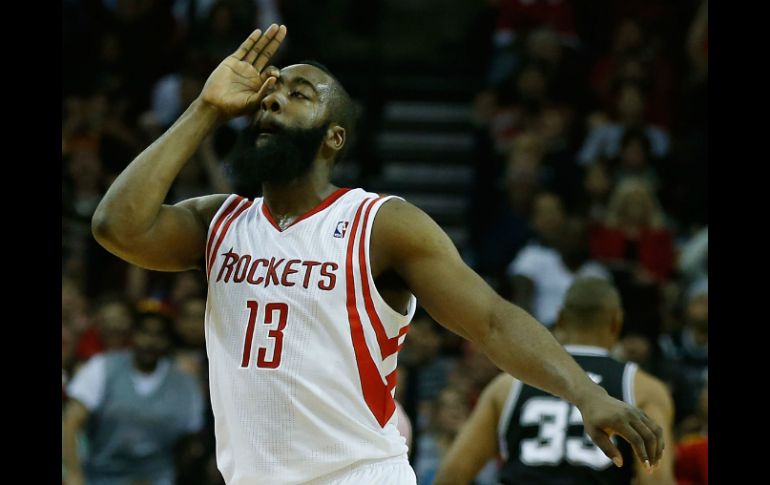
(239,83)
(605,416)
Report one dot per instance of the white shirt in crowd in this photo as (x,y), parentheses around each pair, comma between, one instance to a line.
(551,278)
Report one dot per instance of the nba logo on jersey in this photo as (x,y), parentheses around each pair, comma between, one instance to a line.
(339,231)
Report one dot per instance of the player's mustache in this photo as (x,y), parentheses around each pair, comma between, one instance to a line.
(266,126)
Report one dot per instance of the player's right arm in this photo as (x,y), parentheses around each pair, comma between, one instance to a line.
(476,443)
(131,220)
(654,399)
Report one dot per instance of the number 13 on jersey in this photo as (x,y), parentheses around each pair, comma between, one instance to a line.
(276,334)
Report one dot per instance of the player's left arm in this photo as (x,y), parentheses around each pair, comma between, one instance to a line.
(655,400)
(407,241)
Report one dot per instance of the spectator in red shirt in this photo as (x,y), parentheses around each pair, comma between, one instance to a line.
(515,20)
(634,236)
(692,462)
(634,243)
(633,58)
(692,450)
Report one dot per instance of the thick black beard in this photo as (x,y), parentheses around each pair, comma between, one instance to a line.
(283,158)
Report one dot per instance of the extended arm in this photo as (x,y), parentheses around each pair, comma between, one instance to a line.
(406,240)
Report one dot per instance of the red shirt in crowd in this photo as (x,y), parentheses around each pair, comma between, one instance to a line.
(523,15)
(89,344)
(653,249)
(692,462)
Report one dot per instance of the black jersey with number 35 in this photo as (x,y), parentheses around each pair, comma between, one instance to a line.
(542,439)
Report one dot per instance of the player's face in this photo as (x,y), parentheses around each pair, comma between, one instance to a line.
(287,132)
(298,100)
(150,341)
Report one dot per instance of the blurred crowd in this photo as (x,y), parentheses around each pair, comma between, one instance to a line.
(590,158)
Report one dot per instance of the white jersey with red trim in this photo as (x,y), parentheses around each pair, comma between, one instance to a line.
(302,348)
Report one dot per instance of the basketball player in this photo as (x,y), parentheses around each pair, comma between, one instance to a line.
(540,437)
(311,287)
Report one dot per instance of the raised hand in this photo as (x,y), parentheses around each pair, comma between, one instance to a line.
(239,83)
(606,416)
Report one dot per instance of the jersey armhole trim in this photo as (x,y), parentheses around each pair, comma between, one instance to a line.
(235,209)
(227,207)
(376,392)
(506,415)
(629,380)
(381,303)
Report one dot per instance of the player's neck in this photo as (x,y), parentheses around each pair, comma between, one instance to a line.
(576,338)
(298,196)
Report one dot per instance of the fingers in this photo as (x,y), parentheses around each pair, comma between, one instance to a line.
(254,100)
(649,438)
(247,45)
(265,52)
(604,443)
(271,71)
(659,437)
(271,74)
(258,48)
(259,44)
(629,433)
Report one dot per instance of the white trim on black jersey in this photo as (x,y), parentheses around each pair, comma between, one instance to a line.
(587,350)
(505,417)
(629,377)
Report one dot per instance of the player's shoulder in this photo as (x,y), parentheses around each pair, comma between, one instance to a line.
(400,215)
(498,389)
(402,225)
(206,207)
(650,389)
(211,202)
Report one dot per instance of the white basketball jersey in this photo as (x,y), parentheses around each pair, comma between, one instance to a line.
(302,348)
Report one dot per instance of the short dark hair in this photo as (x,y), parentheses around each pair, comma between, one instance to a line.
(588,298)
(167,328)
(343,108)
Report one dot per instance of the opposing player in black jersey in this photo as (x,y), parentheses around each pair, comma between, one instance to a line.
(539,437)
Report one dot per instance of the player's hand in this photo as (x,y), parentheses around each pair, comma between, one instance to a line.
(239,83)
(604,416)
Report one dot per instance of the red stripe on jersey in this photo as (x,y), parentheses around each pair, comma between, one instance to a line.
(388,346)
(323,205)
(403,331)
(269,216)
(224,232)
(218,223)
(376,395)
(392,379)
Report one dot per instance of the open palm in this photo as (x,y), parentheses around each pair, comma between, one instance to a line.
(240,81)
